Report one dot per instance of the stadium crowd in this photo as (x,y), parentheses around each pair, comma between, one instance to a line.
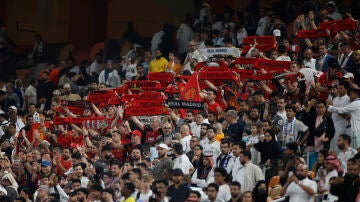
(112,130)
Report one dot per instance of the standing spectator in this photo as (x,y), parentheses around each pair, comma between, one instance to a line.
(340,120)
(10,99)
(298,187)
(333,11)
(225,160)
(347,187)
(181,161)
(178,191)
(346,152)
(346,58)
(158,64)
(184,35)
(270,152)
(163,162)
(211,146)
(45,90)
(263,24)
(68,96)
(332,167)
(185,137)
(38,53)
(309,61)
(250,174)
(30,93)
(10,184)
(96,67)
(321,127)
(109,76)
(355,68)
(192,58)
(235,127)
(354,109)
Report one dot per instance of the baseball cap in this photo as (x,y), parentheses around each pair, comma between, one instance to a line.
(164,146)
(277,32)
(13,107)
(137,133)
(46,163)
(348,75)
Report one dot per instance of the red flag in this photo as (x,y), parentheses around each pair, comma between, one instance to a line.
(191,90)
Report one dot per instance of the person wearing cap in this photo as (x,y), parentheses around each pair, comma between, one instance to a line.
(354,110)
(110,76)
(178,191)
(163,162)
(349,77)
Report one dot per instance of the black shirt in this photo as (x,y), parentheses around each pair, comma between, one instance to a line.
(180,194)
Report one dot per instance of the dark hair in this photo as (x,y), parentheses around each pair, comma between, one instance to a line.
(164,182)
(178,148)
(345,84)
(130,186)
(281,48)
(196,193)
(76,180)
(116,162)
(346,138)
(108,190)
(222,171)
(216,186)
(235,183)
(96,187)
(55,195)
(246,153)
(211,128)
(200,147)
(290,106)
(292,146)
(20,199)
(83,190)
(137,171)
(202,113)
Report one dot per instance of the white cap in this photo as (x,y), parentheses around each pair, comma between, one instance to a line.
(348,75)
(164,146)
(13,107)
(277,32)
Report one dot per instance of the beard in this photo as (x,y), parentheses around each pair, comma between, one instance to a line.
(300,177)
(341,146)
(242,162)
(135,158)
(157,57)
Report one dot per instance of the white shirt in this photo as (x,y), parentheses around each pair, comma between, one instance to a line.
(224,192)
(212,148)
(345,58)
(202,183)
(95,67)
(185,141)
(339,122)
(30,94)
(297,194)
(130,71)
(183,163)
(310,63)
(326,185)
(283,58)
(262,25)
(354,109)
(251,174)
(345,156)
(236,174)
(183,36)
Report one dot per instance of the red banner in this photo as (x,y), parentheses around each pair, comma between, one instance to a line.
(245,61)
(315,33)
(146,111)
(99,97)
(244,74)
(339,25)
(216,75)
(162,77)
(271,64)
(260,47)
(259,40)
